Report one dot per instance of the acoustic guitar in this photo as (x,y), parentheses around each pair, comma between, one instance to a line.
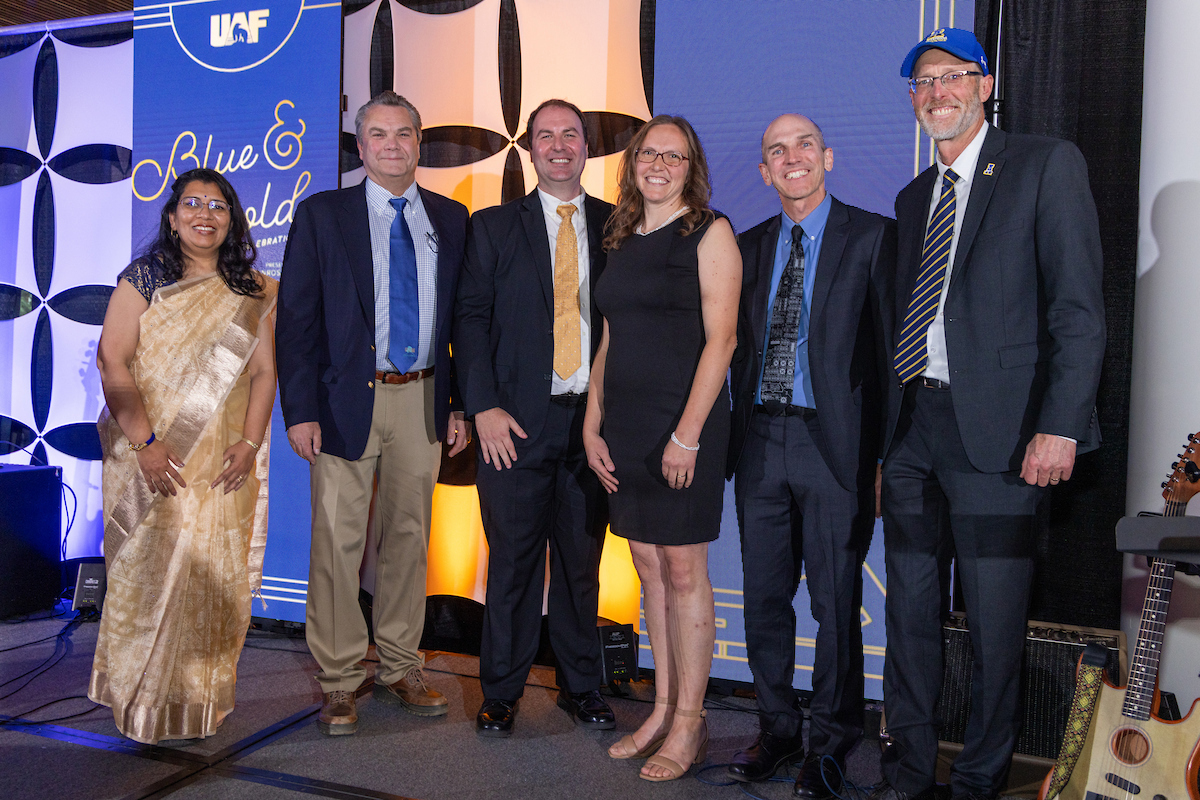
(1129,753)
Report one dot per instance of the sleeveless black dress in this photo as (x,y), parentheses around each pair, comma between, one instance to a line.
(649,293)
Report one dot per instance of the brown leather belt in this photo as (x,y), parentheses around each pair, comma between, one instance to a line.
(398,378)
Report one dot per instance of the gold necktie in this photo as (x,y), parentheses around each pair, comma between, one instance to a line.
(566,296)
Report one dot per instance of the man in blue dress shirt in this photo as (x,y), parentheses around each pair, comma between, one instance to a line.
(808,383)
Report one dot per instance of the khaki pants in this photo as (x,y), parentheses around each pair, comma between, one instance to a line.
(403,448)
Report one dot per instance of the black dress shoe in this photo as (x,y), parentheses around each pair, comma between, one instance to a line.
(761,760)
(495,718)
(588,709)
(820,778)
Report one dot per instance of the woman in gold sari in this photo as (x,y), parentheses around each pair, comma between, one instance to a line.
(186,359)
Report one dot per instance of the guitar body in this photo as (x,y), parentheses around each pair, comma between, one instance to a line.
(1123,758)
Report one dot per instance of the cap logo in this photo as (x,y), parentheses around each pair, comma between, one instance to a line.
(937,36)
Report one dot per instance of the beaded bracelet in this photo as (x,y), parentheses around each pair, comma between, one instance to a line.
(684,446)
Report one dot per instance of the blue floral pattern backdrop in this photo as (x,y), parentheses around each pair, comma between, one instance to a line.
(65,159)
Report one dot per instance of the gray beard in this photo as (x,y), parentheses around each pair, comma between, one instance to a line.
(970,114)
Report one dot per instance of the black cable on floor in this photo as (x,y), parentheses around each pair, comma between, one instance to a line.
(48,663)
(20,719)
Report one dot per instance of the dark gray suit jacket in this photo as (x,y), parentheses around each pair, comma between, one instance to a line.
(1024,313)
(325,332)
(504,321)
(850,320)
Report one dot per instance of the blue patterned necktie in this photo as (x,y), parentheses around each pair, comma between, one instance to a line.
(779,367)
(912,353)
(403,297)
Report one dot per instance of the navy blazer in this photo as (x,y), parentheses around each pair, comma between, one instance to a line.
(1024,314)
(504,322)
(848,330)
(325,332)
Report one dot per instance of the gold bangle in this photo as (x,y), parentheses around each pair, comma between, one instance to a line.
(252,444)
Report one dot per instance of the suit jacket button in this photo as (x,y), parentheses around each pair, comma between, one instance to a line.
(370,384)
(547,377)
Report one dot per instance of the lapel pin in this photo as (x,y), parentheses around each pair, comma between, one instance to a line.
(991,168)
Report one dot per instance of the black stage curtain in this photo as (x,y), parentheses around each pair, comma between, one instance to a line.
(1073,69)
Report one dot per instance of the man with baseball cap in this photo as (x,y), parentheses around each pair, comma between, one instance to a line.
(998,341)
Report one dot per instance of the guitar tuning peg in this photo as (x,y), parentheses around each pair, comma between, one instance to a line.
(1174,465)
(1164,484)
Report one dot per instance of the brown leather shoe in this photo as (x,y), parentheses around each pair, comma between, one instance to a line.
(339,716)
(412,693)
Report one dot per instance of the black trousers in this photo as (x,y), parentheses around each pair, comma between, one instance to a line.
(792,512)
(933,499)
(548,496)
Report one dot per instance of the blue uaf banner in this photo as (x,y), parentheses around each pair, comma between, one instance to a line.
(249,88)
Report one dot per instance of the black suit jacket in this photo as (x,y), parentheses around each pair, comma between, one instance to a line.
(504,323)
(848,327)
(1024,314)
(325,333)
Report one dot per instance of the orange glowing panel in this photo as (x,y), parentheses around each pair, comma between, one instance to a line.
(620,589)
(457,548)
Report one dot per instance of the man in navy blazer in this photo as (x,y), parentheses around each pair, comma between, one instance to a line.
(999,337)
(524,374)
(804,448)
(367,389)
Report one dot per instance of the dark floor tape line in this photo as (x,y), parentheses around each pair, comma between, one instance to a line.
(297,783)
(112,744)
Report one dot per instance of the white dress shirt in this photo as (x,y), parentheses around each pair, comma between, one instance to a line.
(577,382)
(964,167)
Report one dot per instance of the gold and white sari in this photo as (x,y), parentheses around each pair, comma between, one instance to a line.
(181,570)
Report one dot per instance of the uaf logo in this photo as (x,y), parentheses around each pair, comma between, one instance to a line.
(241,27)
(234,35)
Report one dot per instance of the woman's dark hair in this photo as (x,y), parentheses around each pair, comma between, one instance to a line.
(630,205)
(235,259)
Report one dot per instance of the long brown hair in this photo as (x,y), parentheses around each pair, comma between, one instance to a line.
(697,188)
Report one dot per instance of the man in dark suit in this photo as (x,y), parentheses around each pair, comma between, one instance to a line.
(525,334)
(998,345)
(366,385)
(807,424)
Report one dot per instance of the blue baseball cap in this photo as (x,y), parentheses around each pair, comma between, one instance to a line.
(955,41)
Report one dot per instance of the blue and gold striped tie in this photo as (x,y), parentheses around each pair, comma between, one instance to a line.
(912,353)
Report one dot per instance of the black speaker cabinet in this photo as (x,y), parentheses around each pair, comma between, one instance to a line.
(30,526)
(1047,681)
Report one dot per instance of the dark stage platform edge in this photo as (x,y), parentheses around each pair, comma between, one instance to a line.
(269,747)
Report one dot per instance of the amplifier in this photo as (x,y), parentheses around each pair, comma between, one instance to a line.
(30,538)
(619,649)
(1047,680)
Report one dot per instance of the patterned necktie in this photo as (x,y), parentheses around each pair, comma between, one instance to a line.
(566,296)
(403,297)
(912,353)
(779,368)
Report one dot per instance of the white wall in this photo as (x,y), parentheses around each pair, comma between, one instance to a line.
(1165,398)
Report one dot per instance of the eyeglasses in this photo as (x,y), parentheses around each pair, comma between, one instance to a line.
(948,80)
(647,156)
(195,204)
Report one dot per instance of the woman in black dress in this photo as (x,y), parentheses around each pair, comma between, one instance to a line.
(657,422)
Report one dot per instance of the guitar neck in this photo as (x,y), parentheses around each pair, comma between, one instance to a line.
(1143,672)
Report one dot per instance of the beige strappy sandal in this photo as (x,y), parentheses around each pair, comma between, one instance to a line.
(629,747)
(675,771)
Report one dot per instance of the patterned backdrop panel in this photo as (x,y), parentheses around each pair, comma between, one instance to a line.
(65,210)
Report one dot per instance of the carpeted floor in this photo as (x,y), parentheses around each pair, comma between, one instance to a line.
(54,743)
